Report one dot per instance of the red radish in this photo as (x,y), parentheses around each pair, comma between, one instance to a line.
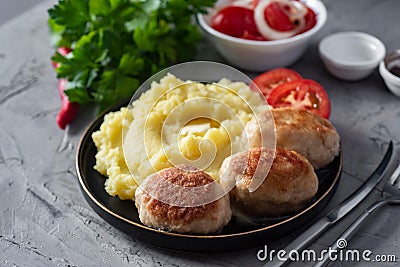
(68,110)
(63,51)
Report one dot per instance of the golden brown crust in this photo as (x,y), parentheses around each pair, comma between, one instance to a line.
(286,165)
(253,158)
(288,186)
(186,176)
(172,214)
(300,119)
(299,130)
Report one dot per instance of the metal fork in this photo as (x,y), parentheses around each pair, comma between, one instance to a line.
(392,192)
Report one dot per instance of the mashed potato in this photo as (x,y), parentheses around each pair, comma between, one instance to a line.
(174,122)
(110,158)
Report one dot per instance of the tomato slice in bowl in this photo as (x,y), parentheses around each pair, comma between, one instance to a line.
(302,94)
(235,21)
(277,19)
(311,20)
(267,81)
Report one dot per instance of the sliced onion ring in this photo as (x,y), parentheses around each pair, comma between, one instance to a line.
(266,31)
(297,9)
(244,3)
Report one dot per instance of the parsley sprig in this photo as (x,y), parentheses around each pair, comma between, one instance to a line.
(117,44)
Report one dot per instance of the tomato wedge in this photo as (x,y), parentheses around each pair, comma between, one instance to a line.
(263,21)
(251,36)
(273,78)
(235,21)
(311,20)
(277,19)
(302,94)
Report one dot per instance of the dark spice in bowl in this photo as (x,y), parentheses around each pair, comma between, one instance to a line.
(392,62)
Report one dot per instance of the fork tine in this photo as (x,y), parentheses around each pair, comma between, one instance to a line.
(395,176)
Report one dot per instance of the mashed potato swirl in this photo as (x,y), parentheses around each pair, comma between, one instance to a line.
(174,122)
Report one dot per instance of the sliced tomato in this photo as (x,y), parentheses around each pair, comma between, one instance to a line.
(273,78)
(276,18)
(234,21)
(251,36)
(311,20)
(255,3)
(301,94)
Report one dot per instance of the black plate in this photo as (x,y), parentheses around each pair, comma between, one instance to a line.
(123,214)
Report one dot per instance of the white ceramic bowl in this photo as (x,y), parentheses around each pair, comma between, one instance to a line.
(263,55)
(351,55)
(392,81)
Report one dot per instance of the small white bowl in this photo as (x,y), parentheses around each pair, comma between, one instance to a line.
(263,55)
(351,55)
(392,81)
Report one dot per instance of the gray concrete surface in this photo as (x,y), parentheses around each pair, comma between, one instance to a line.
(44,219)
(11,8)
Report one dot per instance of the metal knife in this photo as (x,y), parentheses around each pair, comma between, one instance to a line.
(319,227)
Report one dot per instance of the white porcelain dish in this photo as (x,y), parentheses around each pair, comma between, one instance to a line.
(263,55)
(351,55)
(392,81)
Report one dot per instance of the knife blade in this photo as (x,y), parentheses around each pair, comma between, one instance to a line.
(319,227)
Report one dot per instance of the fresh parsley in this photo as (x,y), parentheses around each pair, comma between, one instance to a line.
(118,44)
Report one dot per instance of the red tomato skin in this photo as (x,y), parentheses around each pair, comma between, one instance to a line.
(234,21)
(277,19)
(283,90)
(238,21)
(255,3)
(268,80)
(311,20)
(251,36)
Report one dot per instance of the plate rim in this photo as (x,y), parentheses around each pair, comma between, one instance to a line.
(86,134)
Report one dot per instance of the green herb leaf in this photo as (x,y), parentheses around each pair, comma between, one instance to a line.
(76,94)
(118,44)
(137,22)
(72,15)
(99,7)
(151,5)
(115,3)
(131,64)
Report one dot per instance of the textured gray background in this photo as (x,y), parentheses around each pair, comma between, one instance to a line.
(11,8)
(44,219)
